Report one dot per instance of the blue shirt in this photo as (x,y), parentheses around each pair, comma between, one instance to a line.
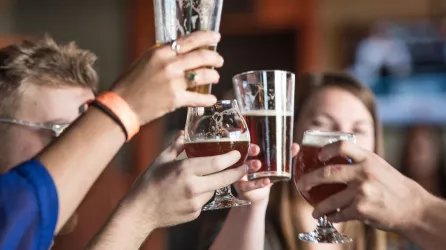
(28,208)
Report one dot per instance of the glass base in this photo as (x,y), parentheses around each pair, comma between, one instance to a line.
(224,199)
(274,176)
(327,234)
(225,202)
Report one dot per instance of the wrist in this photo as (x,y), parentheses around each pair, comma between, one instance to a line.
(419,221)
(119,110)
(124,230)
(260,203)
(258,207)
(127,97)
(133,216)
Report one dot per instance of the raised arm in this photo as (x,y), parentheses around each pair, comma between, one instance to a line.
(153,86)
(169,193)
(244,227)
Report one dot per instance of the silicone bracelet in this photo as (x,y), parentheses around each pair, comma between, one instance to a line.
(119,108)
(110,113)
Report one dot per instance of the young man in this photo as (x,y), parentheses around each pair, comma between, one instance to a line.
(43,87)
(38,196)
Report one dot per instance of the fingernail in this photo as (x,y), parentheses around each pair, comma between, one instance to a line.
(246,169)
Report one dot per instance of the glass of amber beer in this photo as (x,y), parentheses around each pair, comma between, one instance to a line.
(176,18)
(213,131)
(266,101)
(308,161)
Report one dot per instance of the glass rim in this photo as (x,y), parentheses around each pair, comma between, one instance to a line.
(228,101)
(327,133)
(321,138)
(219,103)
(264,71)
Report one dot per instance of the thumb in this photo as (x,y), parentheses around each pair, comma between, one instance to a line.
(222,179)
(174,149)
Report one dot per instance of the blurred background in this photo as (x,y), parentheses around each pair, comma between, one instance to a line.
(397,48)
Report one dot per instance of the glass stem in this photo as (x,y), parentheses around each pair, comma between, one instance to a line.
(226,191)
(322,222)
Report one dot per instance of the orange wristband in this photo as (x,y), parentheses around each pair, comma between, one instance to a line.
(122,110)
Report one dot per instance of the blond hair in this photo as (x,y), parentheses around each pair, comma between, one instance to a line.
(44,62)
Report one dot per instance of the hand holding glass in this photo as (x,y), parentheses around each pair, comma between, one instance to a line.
(308,161)
(213,131)
(177,18)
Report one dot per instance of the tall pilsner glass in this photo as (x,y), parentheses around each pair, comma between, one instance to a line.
(308,161)
(266,100)
(176,18)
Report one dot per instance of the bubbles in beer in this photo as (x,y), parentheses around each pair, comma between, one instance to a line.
(226,124)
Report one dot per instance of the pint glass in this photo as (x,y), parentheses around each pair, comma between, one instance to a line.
(266,101)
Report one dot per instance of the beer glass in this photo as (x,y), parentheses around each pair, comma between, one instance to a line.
(176,18)
(266,101)
(308,161)
(213,131)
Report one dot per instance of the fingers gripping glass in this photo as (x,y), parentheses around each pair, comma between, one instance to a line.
(175,19)
(214,131)
(308,161)
(57,129)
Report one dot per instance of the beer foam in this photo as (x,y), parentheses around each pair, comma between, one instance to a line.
(266,113)
(218,140)
(322,138)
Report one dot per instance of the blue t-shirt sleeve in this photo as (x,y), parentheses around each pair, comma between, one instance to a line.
(28,207)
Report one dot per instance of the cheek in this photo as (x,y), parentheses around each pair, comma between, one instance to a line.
(25,146)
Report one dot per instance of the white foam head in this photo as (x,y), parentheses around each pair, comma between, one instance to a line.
(265,112)
(242,139)
(321,138)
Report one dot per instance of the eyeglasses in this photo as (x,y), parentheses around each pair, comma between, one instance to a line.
(56,128)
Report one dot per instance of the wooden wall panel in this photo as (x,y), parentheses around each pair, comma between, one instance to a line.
(95,209)
(147,145)
(7,40)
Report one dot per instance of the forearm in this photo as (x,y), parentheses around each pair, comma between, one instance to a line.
(124,230)
(244,228)
(77,159)
(429,226)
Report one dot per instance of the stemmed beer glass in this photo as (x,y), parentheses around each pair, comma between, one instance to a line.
(308,161)
(213,131)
